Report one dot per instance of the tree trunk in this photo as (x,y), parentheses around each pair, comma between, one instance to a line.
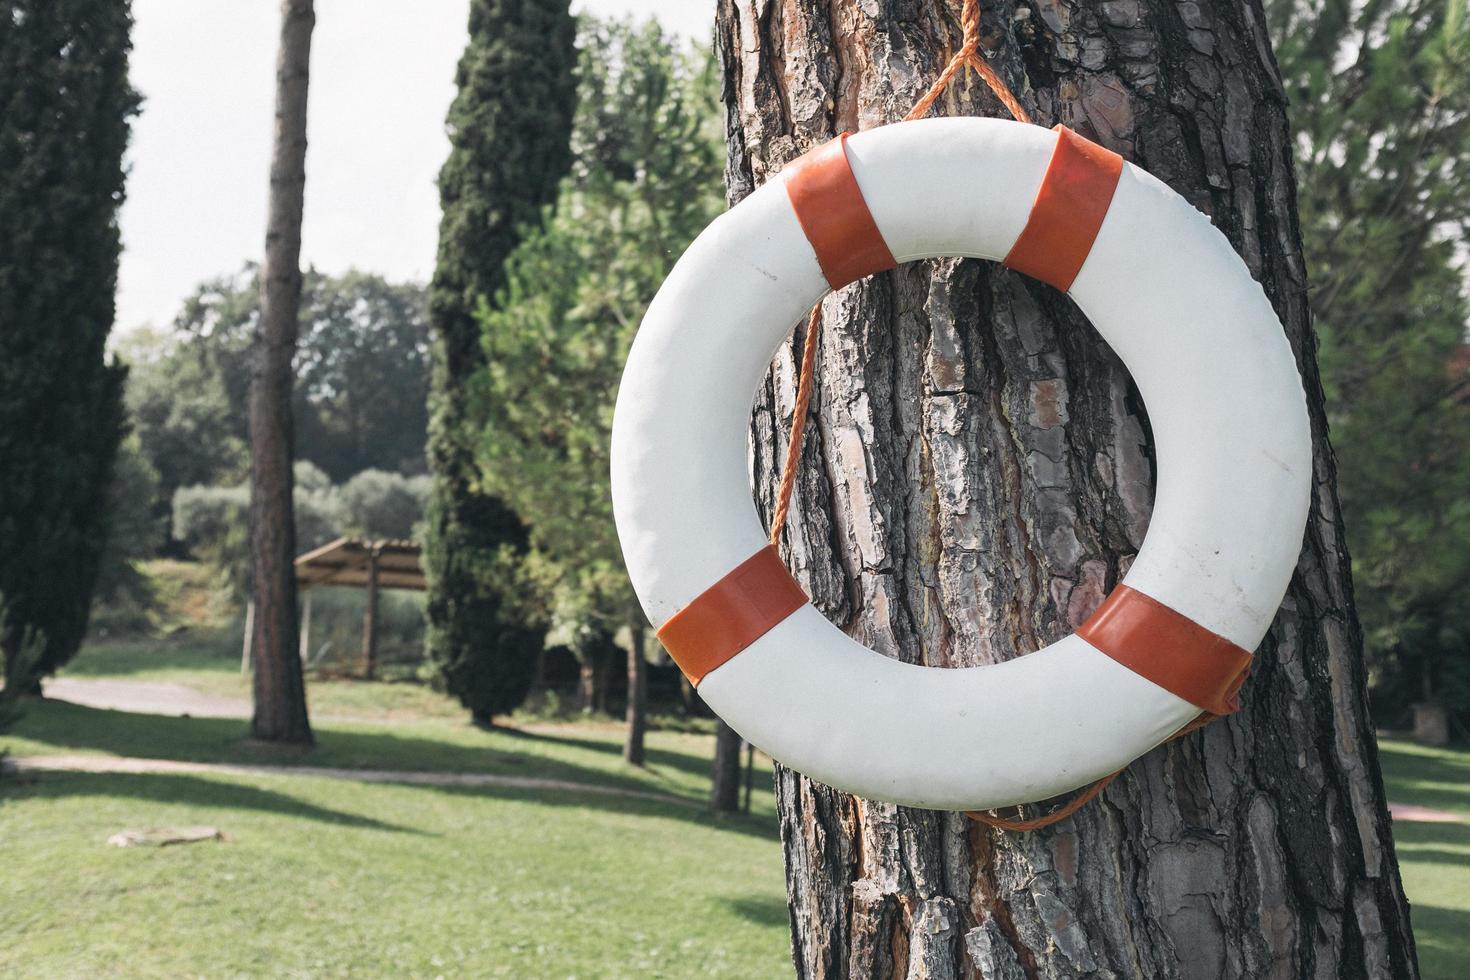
(724,793)
(978,475)
(637,694)
(280,695)
(592,678)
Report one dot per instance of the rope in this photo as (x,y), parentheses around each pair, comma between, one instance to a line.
(1083,797)
(967,57)
(798,423)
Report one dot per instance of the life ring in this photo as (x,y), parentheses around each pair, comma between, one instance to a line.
(1162,287)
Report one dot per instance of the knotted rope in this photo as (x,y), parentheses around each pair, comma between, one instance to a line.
(967,57)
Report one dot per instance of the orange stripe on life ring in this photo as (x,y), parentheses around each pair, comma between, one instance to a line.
(1069,209)
(834,216)
(731,614)
(1170,649)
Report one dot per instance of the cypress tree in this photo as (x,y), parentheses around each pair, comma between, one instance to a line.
(509,130)
(64,109)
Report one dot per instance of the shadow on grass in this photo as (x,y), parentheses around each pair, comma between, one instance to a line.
(1443,939)
(764,781)
(764,828)
(1438,779)
(186,790)
(62,725)
(1432,843)
(122,657)
(761,910)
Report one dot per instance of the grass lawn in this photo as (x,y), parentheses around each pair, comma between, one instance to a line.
(1434,857)
(326,877)
(323,877)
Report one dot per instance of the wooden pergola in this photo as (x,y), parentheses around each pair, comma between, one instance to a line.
(355,563)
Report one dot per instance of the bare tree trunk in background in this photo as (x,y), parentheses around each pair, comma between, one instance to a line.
(724,794)
(592,683)
(978,475)
(280,695)
(637,714)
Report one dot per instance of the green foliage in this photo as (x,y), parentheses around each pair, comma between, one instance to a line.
(64,109)
(1381,103)
(361,365)
(362,376)
(124,590)
(486,633)
(509,130)
(19,668)
(646,181)
(188,431)
(375,504)
(213,522)
(362,369)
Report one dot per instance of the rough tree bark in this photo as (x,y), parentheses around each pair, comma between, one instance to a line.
(280,695)
(978,475)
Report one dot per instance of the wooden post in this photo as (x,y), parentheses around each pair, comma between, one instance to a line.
(306,628)
(245,650)
(370,615)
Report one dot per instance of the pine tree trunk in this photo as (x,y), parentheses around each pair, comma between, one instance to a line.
(280,695)
(977,476)
(637,712)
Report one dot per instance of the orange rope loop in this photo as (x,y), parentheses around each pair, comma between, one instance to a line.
(798,423)
(969,56)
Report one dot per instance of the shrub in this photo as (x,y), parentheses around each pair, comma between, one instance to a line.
(376,504)
(214,522)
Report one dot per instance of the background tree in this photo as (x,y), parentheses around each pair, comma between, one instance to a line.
(509,129)
(134,531)
(64,109)
(993,471)
(361,377)
(362,371)
(644,183)
(280,693)
(1381,106)
(375,504)
(213,522)
(187,431)
(361,365)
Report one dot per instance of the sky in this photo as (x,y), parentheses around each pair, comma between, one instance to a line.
(381,83)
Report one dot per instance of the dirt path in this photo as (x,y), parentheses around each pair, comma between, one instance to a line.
(129,765)
(160,698)
(1410,813)
(145,697)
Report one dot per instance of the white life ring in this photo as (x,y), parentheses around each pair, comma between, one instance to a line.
(1162,287)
